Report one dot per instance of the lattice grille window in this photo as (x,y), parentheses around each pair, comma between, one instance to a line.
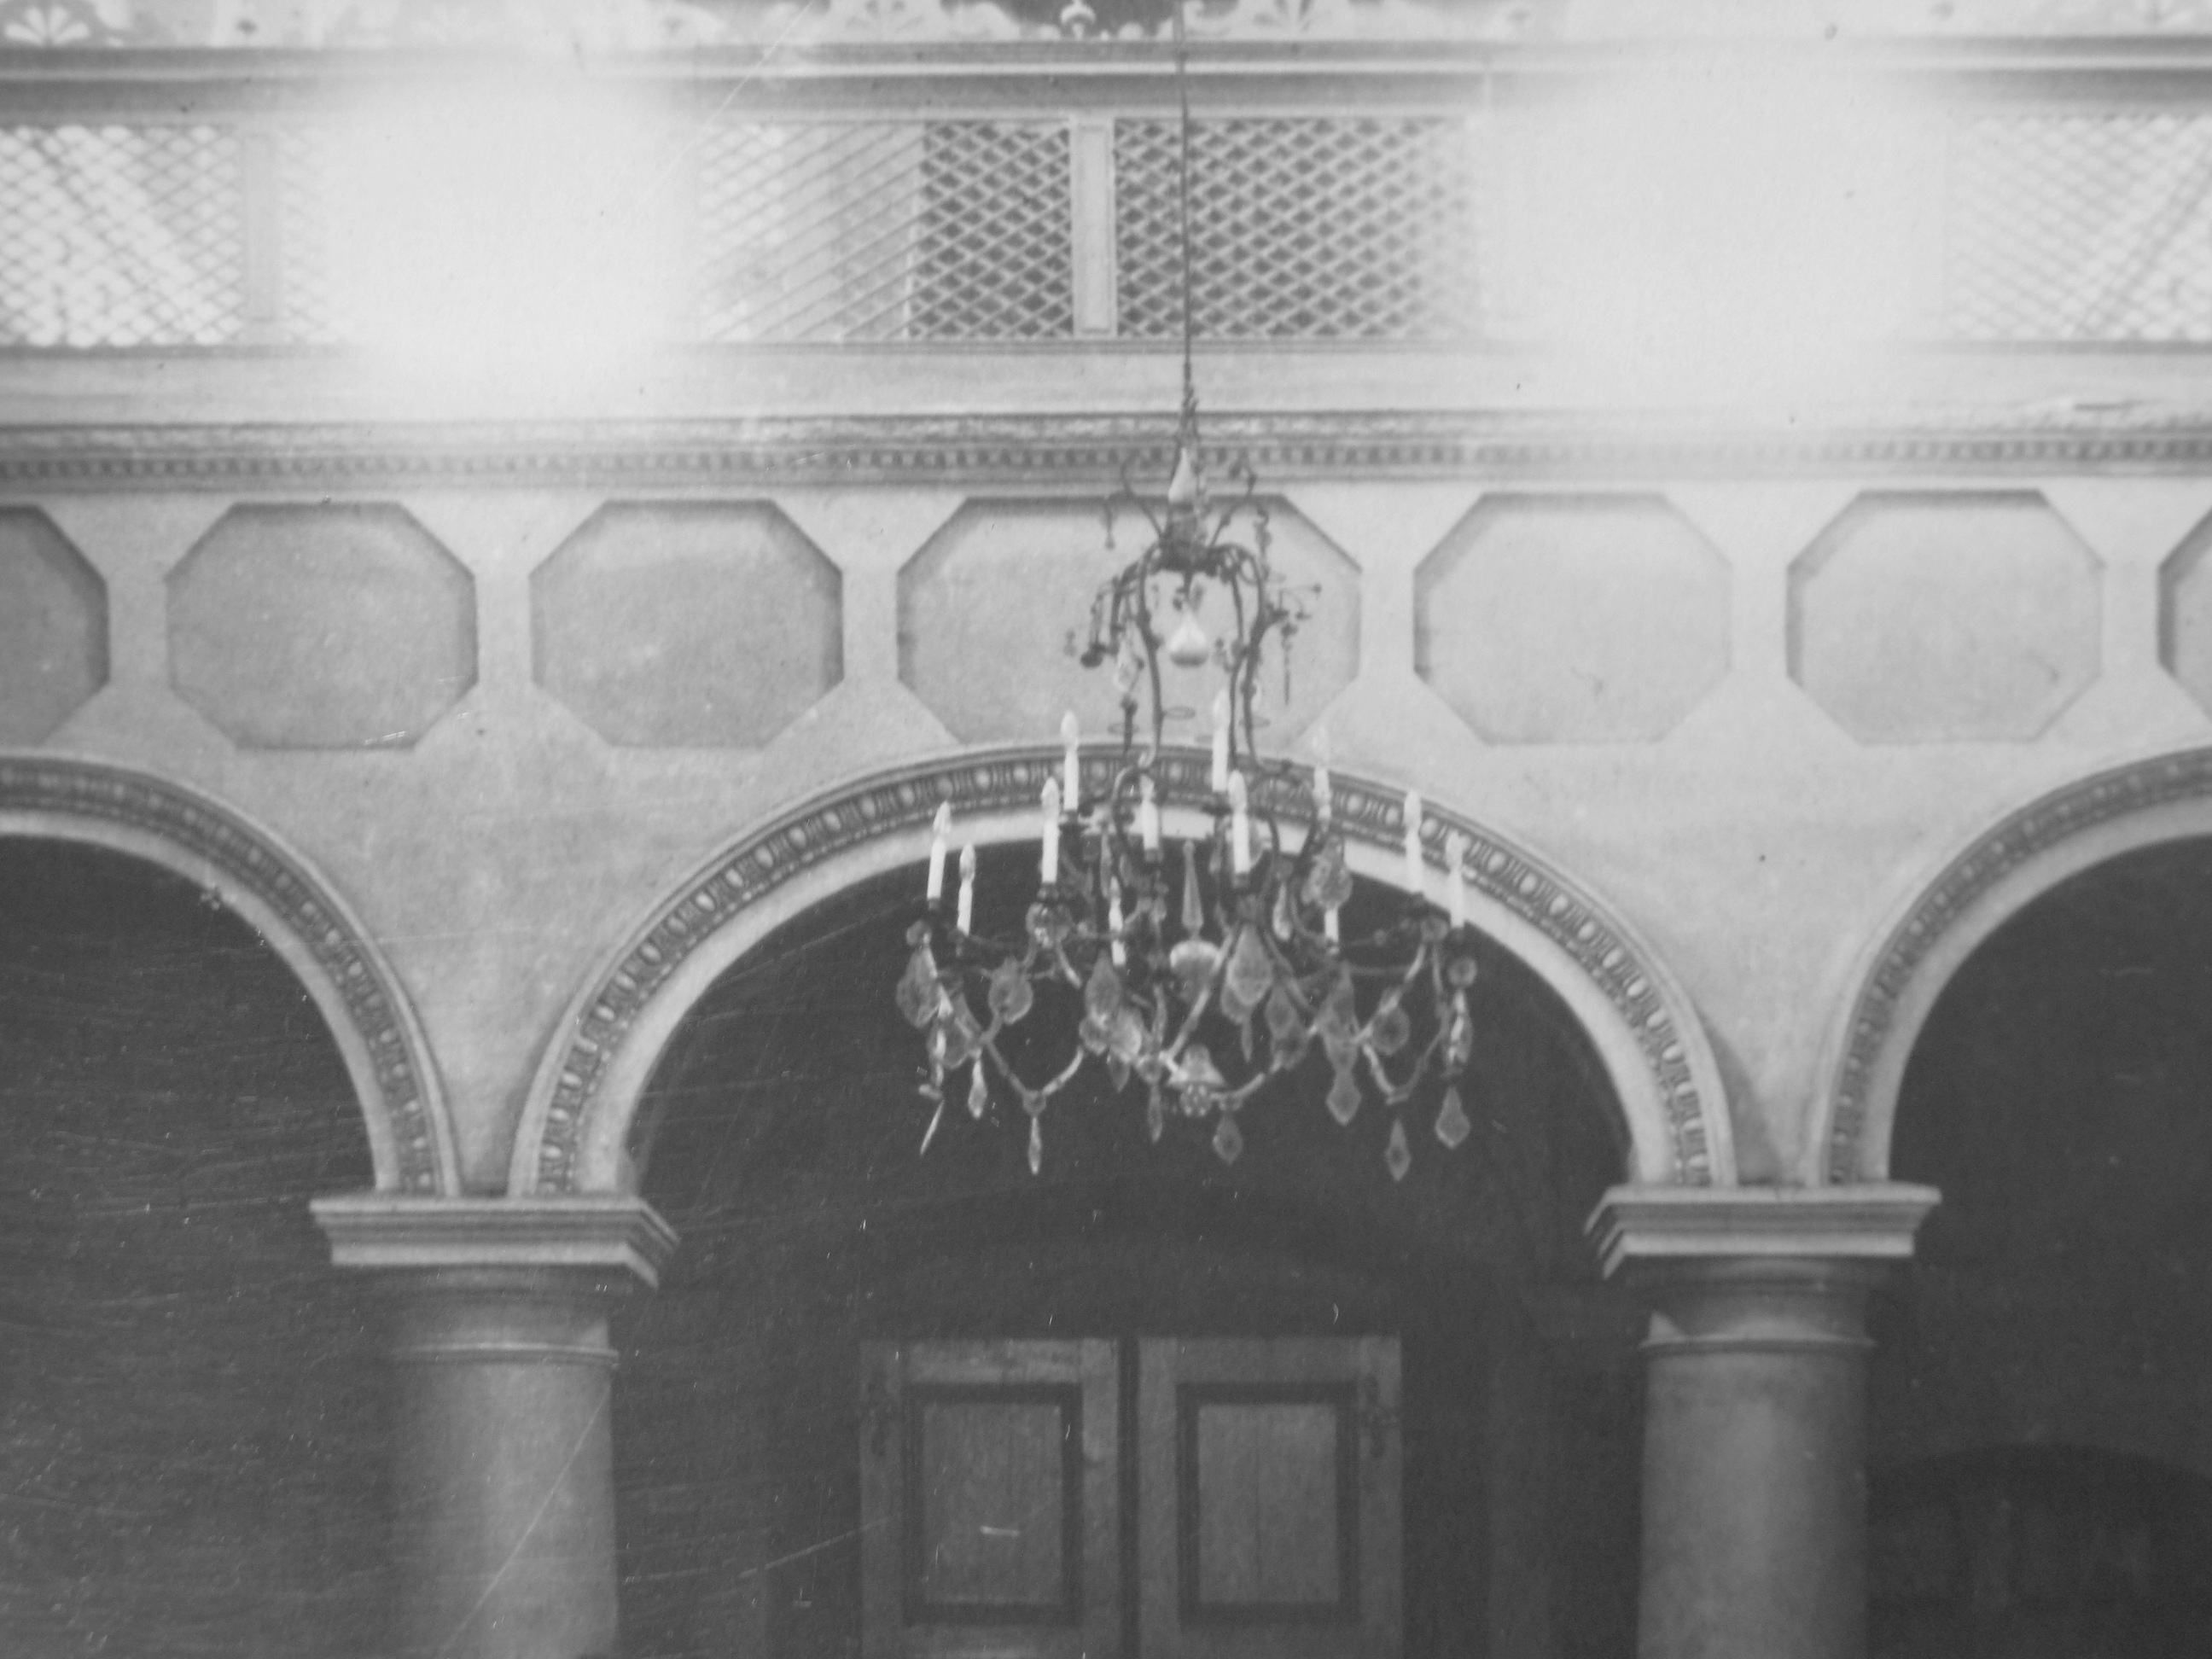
(119,236)
(1302,229)
(2080,228)
(869,231)
(307,303)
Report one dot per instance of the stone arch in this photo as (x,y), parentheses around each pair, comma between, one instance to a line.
(292,907)
(2023,855)
(575,1124)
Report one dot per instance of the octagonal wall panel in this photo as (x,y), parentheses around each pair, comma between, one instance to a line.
(1923,618)
(1562,618)
(687,624)
(53,628)
(325,627)
(2185,615)
(993,607)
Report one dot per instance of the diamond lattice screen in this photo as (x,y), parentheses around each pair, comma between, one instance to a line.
(2080,228)
(308,307)
(119,236)
(910,230)
(1301,230)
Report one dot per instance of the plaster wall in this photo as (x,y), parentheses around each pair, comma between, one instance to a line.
(1758,825)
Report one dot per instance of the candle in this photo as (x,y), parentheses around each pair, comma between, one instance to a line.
(1328,924)
(1114,921)
(1220,743)
(940,831)
(1071,765)
(1414,882)
(1455,871)
(1240,825)
(1148,818)
(1049,875)
(966,887)
(1323,802)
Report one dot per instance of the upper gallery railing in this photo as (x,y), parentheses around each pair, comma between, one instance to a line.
(902,173)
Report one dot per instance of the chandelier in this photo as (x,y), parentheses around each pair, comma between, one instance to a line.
(1205,970)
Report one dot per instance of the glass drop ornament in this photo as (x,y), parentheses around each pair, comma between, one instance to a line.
(1037,1144)
(1188,645)
(1228,1139)
(1344,1097)
(979,1091)
(1398,1155)
(1452,1125)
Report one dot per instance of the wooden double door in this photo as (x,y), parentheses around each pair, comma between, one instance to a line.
(1146,1498)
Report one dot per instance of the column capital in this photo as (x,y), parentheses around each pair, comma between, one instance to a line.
(612,1235)
(1870,1224)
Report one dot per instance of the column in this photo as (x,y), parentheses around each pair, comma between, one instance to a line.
(1754,1431)
(503,1543)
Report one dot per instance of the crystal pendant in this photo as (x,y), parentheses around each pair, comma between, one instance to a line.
(1156,1116)
(1187,647)
(1037,1144)
(1398,1155)
(1228,1139)
(979,1091)
(1344,1097)
(1452,1127)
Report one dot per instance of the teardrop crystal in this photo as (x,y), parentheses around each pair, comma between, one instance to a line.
(1344,1097)
(1037,1144)
(1187,647)
(979,1091)
(1228,1139)
(1398,1155)
(1452,1127)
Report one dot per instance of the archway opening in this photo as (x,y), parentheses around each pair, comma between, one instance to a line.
(195,1443)
(2040,1387)
(780,1134)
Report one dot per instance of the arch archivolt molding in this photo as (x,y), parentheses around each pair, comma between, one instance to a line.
(575,1124)
(294,911)
(2032,849)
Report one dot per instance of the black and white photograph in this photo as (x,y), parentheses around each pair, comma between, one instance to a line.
(1106,828)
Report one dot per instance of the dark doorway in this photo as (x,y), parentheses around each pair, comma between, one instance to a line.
(780,1136)
(2041,1383)
(192,1439)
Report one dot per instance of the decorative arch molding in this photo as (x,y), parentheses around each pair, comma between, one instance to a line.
(2007,866)
(575,1124)
(276,891)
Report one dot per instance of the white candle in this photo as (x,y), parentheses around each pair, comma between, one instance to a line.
(1240,825)
(1324,801)
(1114,921)
(966,887)
(1049,873)
(1414,882)
(1220,743)
(1148,818)
(940,831)
(1071,765)
(1456,872)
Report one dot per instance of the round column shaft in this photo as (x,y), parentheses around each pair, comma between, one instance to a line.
(1754,1429)
(503,1535)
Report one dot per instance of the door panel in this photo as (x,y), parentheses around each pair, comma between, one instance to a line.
(1265,1514)
(989,1494)
(1269,1499)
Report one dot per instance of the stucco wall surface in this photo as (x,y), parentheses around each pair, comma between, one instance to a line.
(1754,716)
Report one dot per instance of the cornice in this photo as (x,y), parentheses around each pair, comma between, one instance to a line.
(1082,451)
(1659,1224)
(599,1233)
